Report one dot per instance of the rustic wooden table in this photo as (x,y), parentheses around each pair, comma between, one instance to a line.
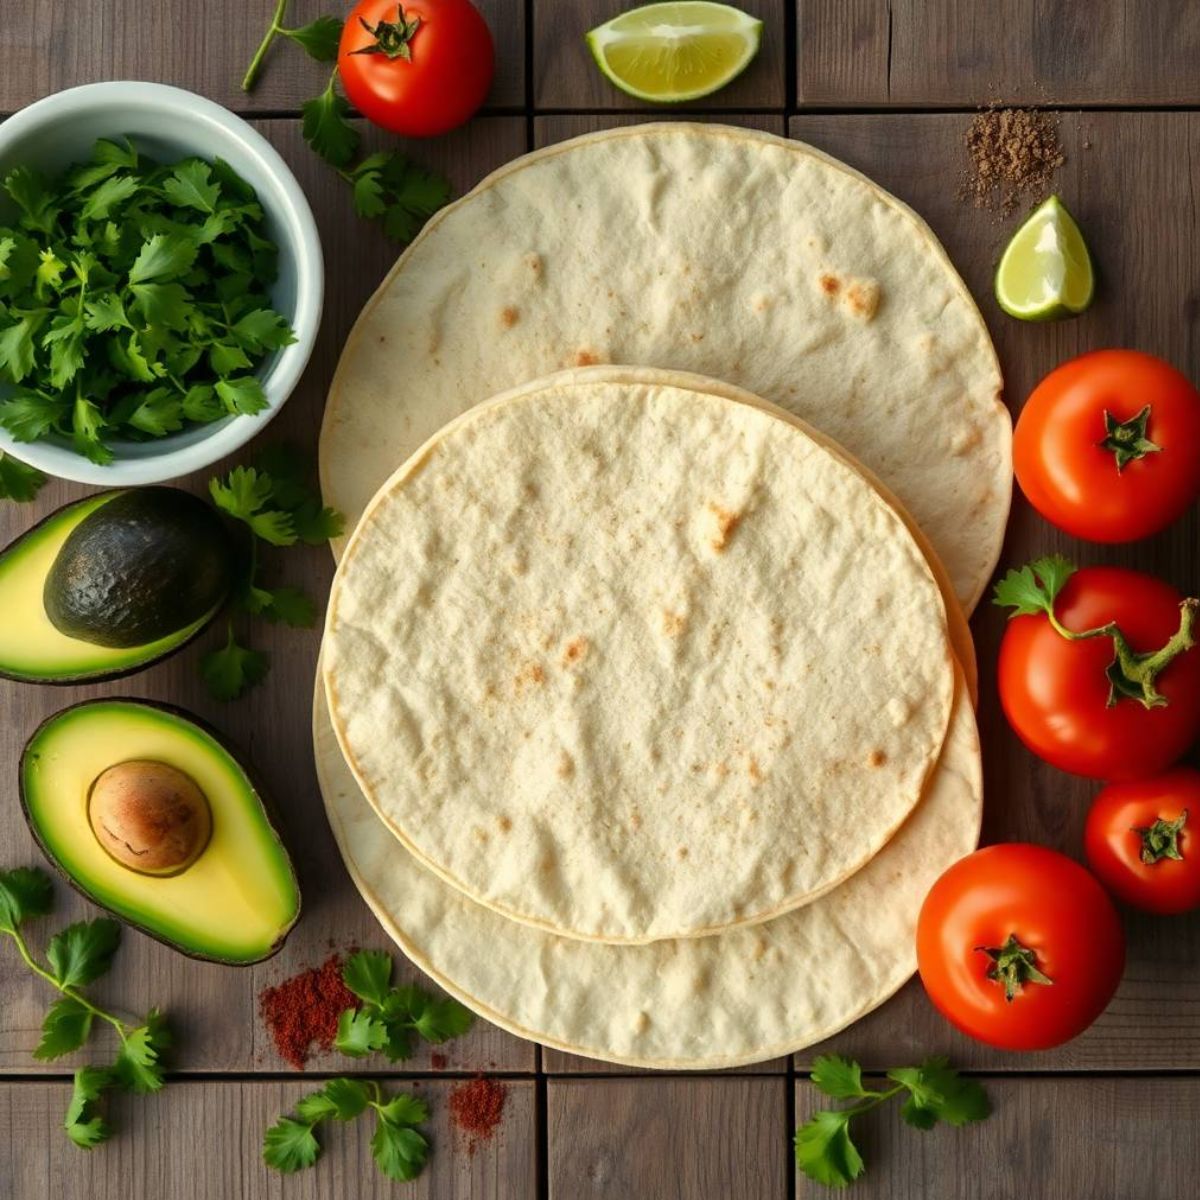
(887,86)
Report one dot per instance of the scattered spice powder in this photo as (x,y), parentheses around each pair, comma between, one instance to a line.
(303,1011)
(477,1107)
(1013,152)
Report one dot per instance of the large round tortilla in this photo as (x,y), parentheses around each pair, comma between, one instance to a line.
(699,1003)
(727,252)
(631,661)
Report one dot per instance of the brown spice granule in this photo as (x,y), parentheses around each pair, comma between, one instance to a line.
(303,1011)
(1013,152)
(477,1107)
(438,1061)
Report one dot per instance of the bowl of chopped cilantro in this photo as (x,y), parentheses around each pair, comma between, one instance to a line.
(160,283)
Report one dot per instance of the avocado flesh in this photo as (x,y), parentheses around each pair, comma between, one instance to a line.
(31,648)
(234,904)
(137,568)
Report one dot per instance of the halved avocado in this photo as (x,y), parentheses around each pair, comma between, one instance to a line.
(150,815)
(110,584)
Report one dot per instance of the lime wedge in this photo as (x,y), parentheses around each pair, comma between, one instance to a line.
(1046,272)
(672,52)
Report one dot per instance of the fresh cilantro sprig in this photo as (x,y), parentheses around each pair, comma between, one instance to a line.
(399,1148)
(18,480)
(75,957)
(133,299)
(276,503)
(1033,589)
(386,186)
(1132,674)
(933,1092)
(391,1018)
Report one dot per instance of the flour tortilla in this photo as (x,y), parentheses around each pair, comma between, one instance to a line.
(727,252)
(631,661)
(699,1003)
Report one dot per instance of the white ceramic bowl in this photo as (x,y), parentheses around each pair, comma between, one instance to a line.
(168,123)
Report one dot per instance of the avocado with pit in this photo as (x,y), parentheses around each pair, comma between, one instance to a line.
(110,584)
(149,814)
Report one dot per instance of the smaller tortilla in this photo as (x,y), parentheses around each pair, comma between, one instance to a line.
(727,1000)
(628,661)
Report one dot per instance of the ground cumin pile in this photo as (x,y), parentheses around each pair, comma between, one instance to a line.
(302,1012)
(1013,152)
(476,1108)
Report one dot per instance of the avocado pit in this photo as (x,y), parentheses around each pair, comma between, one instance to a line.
(149,816)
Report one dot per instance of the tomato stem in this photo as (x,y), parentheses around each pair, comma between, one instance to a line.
(1127,440)
(1161,840)
(273,31)
(1133,675)
(1013,965)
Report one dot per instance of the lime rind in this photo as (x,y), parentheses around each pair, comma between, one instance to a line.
(650,27)
(1046,270)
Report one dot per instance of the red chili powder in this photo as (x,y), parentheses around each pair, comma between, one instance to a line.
(477,1107)
(303,1011)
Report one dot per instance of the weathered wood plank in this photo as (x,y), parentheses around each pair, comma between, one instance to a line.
(202,1140)
(564,75)
(1148,298)
(930,53)
(45,47)
(667,1139)
(1047,1139)
(213,1007)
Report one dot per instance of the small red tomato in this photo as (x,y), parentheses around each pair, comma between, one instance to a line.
(1019,947)
(1108,445)
(420,68)
(1139,841)
(1055,692)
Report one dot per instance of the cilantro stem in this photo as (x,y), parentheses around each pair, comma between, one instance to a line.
(122,1029)
(273,31)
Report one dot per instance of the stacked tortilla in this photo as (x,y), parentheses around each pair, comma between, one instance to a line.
(645,716)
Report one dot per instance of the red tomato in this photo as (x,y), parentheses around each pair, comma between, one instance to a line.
(1066,457)
(1141,841)
(431,70)
(1031,916)
(1055,691)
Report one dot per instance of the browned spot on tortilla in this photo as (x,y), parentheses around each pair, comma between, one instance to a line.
(635,819)
(481,835)
(530,674)
(505,824)
(574,651)
(829,284)
(876,758)
(862,298)
(534,263)
(382,339)
(681,853)
(586,358)
(721,769)
(754,771)
(759,948)
(641,1022)
(726,522)
(696,337)
(672,623)
(566,766)
(509,316)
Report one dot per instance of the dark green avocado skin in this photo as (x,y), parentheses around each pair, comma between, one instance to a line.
(146,564)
